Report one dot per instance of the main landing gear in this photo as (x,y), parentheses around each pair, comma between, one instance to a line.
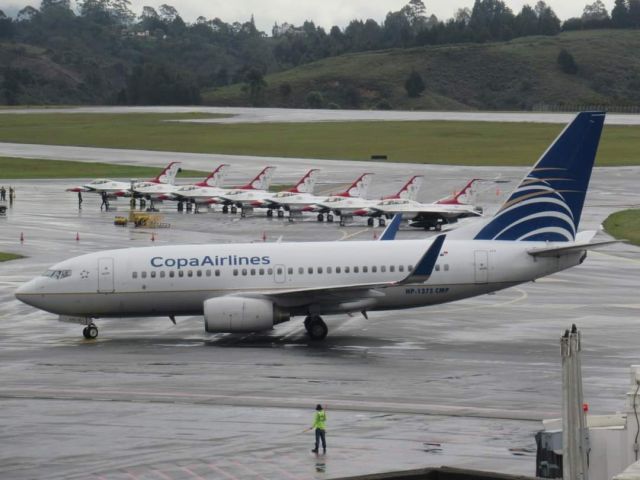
(90,332)
(316,328)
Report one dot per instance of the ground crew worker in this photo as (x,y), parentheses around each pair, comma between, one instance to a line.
(3,194)
(12,195)
(105,201)
(320,425)
(79,200)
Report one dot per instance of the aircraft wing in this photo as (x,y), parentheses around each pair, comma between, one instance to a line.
(357,292)
(565,250)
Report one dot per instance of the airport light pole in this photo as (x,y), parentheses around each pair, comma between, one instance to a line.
(575,436)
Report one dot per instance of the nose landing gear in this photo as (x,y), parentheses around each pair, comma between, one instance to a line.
(90,332)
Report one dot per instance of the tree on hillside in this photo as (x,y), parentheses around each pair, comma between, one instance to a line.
(567,62)
(526,22)
(620,14)
(491,20)
(548,22)
(414,85)
(634,13)
(595,15)
(6,26)
(255,83)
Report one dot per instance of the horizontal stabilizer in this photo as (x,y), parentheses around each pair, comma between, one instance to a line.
(576,247)
(423,269)
(392,229)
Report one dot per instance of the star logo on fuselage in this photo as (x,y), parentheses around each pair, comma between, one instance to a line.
(84,274)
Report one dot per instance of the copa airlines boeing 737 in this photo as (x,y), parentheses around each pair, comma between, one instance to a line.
(252,287)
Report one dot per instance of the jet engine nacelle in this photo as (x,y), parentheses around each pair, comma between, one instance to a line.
(238,314)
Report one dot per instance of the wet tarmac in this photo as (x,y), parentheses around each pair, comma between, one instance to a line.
(293,115)
(462,384)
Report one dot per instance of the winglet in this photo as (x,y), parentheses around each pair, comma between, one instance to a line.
(392,229)
(423,269)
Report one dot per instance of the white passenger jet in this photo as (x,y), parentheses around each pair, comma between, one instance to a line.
(252,287)
(425,215)
(112,187)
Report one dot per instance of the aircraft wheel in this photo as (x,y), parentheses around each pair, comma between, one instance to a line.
(370,222)
(330,218)
(320,217)
(280,214)
(85,332)
(342,222)
(316,328)
(225,209)
(438,227)
(291,220)
(269,213)
(243,214)
(382,222)
(234,210)
(92,331)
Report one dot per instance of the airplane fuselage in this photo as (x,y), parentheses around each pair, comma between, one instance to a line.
(176,280)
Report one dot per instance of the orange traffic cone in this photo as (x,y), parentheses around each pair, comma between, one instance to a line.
(264,236)
(21,237)
(153,236)
(375,235)
(77,237)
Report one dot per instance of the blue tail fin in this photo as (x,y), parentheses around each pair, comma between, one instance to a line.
(547,204)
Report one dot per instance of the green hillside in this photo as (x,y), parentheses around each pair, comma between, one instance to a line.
(520,74)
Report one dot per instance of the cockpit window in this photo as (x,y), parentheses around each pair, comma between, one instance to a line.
(57,274)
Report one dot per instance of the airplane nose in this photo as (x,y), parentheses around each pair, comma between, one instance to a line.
(24,290)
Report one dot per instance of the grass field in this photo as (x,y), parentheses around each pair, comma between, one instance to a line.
(5,257)
(21,168)
(624,225)
(458,143)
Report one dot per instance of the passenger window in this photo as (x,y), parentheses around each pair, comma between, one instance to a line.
(270,271)
(374,269)
(338,270)
(244,272)
(383,268)
(235,272)
(279,271)
(446,267)
(329,270)
(261,271)
(162,274)
(401,268)
(437,268)
(301,270)
(365,269)
(172,274)
(217,273)
(153,274)
(290,271)
(253,272)
(310,270)
(392,268)
(410,268)
(134,275)
(190,273)
(181,273)
(319,269)
(356,270)
(199,273)
(346,269)
(208,273)
(143,274)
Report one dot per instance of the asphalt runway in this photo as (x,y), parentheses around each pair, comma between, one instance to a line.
(463,384)
(293,115)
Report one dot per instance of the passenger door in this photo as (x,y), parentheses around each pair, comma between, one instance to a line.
(105,275)
(481,266)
